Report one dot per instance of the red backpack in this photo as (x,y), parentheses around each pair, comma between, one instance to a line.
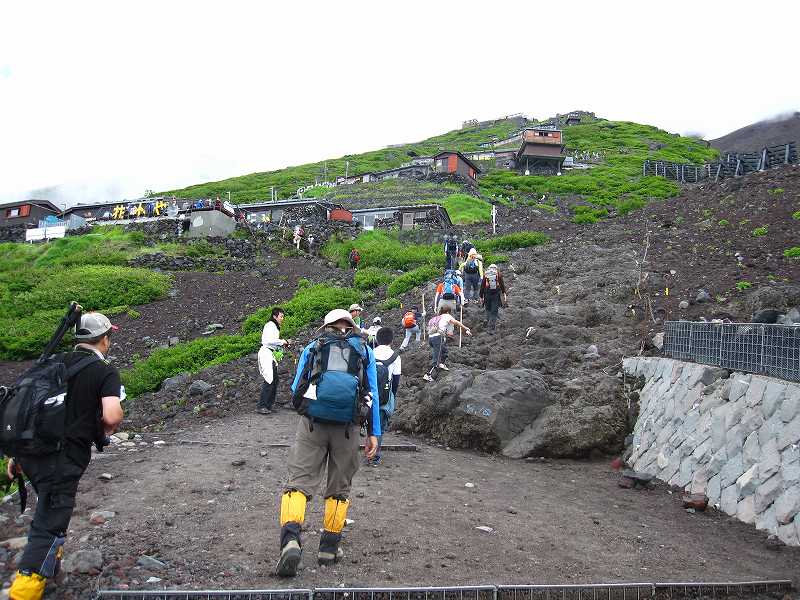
(409,320)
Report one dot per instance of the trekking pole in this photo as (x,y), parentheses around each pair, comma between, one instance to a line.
(424,319)
(460,330)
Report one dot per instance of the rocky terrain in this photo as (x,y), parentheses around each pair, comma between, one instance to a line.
(194,495)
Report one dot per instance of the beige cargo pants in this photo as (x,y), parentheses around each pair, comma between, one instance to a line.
(323,445)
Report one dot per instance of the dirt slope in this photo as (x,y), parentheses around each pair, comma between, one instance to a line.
(779,130)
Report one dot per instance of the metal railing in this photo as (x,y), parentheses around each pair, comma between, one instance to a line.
(595,591)
(772,350)
(730,165)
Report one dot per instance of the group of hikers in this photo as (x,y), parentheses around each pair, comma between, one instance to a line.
(346,384)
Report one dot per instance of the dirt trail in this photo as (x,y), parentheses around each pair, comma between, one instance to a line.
(215,524)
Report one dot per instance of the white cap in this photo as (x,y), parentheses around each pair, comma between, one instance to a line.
(338,314)
(376,320)
(93,325)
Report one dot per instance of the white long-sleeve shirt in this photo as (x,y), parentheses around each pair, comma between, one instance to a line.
(271,336)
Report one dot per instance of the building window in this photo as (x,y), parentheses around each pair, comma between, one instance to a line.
(18,211)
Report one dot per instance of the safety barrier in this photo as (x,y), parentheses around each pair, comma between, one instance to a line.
(772,350)
(596,591)
(731,165)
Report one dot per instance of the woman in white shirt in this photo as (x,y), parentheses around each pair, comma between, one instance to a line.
(271,344)
(439,329)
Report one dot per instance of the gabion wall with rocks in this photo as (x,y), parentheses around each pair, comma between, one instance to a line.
(732,436)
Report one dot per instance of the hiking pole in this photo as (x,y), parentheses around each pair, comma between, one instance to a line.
(72,317)
(460,330)
(424,319)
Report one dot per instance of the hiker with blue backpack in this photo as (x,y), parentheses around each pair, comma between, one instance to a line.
(335,393)
(388,369)
(448,293)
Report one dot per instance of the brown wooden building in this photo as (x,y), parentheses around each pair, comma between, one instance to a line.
(541,152)
(457,164)
(27,212)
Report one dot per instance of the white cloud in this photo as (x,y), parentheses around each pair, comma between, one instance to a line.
(120,97)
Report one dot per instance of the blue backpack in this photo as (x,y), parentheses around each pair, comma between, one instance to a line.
(336,365)
(450,281)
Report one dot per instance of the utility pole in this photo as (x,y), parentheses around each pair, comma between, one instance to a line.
(346,168)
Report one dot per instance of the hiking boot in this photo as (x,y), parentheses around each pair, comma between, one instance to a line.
(427,377)
(263,411)
(443,367)
(329,558)
(290,558)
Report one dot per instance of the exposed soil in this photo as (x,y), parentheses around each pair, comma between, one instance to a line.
(554,521)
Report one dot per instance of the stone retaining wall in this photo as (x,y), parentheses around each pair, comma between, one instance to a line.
(732,436)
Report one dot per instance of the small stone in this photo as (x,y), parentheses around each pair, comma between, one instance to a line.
(13,544)
(199,387)
(122,436)
(694,501)
(359,494)
(239,462)
(153,580)
(469,485)
(703,296)
(512,510)
(683,305)
(149,562)
(484,528)
(263,453)
(83,561)
(173,341)
(105,476)
(159,443)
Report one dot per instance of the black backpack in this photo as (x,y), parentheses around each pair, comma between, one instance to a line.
(33,410)
(384,381)
(452,247)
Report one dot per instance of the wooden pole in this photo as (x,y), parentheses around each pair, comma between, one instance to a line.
(424,319)
(460,330)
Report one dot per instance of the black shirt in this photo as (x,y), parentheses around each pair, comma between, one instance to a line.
(84,407)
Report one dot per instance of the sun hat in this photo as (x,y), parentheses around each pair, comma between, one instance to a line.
(355,307)
(376,321)
(93,325)
(338,314)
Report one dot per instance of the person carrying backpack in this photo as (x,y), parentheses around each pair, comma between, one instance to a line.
(440,328)
(493,295)
(388,369)
(473,275)
(373,331)
(448,293)
(55,457)
(466,246)
(335,393)
(411,325)
(354,258)
(450,252)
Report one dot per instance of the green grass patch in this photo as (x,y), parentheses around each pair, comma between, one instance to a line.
(384,250)
(308,306)
(370,278)
(389,304)
(760,231)
(793,252)
(743,285)
(796,215)
(513,241)
(724,223)
(467,210)
(776,191)
(408,281)
(587,215)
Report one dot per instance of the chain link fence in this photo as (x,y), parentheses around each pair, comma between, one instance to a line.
(598,591)
(772,350)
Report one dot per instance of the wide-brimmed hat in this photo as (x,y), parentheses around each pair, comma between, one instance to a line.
(355,307)
(338,314)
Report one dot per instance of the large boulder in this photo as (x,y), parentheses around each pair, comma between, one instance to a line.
(588,418)
(483,410)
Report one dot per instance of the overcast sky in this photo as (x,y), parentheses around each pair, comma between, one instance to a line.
(111,98)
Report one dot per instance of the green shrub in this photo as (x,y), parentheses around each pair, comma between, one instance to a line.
(371,278)
(587,214)
(385,250)
(724,223)
(549,208)
(411,279)
(93,287)
(146,375)
(796,215)
(760,231)
(103,246)
(23,337)
(793,252)
(467,210)
(743,285)
(389,304)
(307,306)
(201,248)
(776,191)
(512,241)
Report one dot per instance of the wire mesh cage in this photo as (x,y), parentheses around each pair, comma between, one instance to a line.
(772,350)
(299,594)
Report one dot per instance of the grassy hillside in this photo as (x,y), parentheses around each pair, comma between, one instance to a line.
(256,186)
(617,184)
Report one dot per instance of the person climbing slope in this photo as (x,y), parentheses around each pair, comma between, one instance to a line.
(411,325)
(269,355)
(493,295)
(473,275)
(448,293)
(450,251)
(354,258)
(388,369)
(373,331)
(441,327)
(335,393)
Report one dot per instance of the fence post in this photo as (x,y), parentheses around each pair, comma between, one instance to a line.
(762,163)
(786,155)
(695,174)
(719,170)
(644,168)
(761,359)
